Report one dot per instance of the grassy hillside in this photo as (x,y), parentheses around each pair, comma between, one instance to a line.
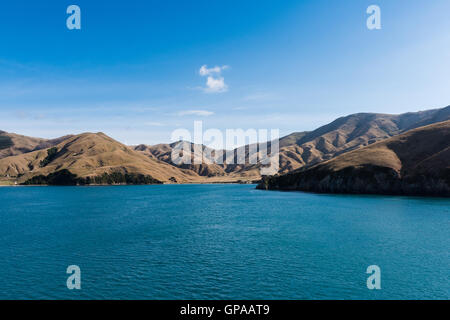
(304,149)
(12,144)
(416,162)
(89,155)
(93,155)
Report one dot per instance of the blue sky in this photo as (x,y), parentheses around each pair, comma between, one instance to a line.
(133,70)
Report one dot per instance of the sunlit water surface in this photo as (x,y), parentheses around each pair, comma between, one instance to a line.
(220,242)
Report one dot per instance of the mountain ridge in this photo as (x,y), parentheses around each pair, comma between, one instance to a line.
(95,154)
(416,162)
(301,149)
(89,154)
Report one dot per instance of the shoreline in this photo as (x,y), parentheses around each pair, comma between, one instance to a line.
(418,196)
(124,184)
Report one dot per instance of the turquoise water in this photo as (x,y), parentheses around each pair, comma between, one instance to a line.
(220,242)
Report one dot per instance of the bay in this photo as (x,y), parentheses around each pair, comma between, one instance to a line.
(220,242)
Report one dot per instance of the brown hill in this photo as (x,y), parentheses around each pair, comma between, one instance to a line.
(304,149)
(163,152)
(415,163)
(352,132)
(90,155)
(207,168)
(12,144)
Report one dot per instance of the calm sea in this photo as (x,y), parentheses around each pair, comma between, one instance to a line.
(220,242)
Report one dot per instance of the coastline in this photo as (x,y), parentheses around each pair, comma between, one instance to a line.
(128,184)
(358,195)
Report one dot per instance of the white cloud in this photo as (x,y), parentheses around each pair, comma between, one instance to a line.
(215,83)
(202,113)
(205,71)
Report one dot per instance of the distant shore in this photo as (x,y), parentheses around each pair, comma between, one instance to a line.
(128,184)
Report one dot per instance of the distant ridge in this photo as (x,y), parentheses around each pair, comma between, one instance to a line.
(304,149)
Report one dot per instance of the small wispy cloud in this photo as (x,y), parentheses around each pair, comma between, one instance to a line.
(29,115)
(201,113)
(205,71)
(259,96)
(154,124)
(215,83)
